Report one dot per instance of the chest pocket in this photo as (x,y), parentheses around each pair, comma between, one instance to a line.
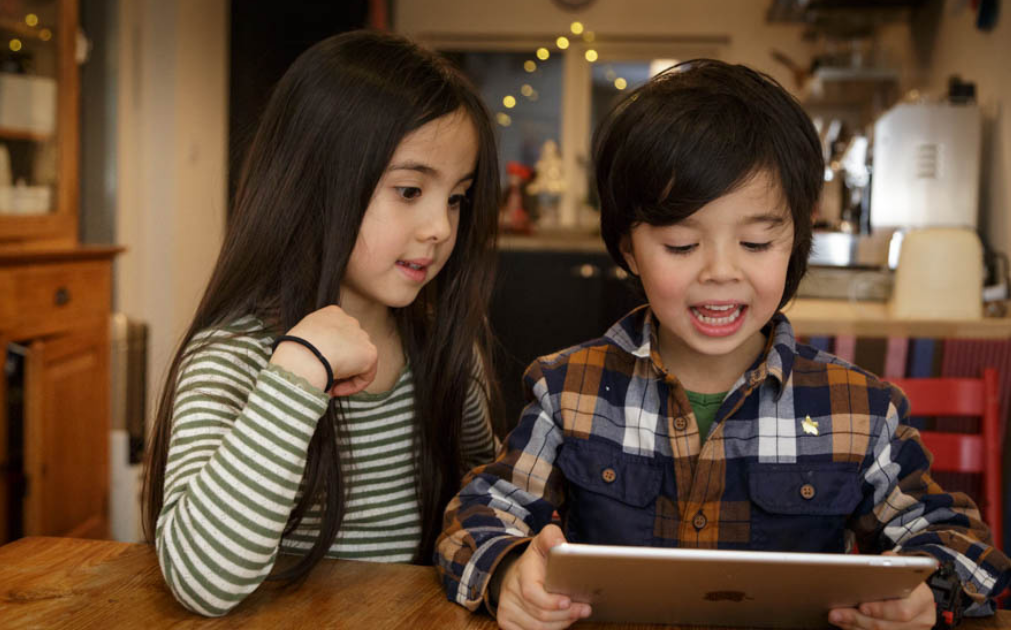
(611,495)
(802,507)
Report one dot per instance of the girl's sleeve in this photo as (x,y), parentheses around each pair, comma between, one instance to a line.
(240,432)
(907,511)
(478,441)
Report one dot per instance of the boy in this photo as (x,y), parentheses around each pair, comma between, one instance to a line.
(698,420)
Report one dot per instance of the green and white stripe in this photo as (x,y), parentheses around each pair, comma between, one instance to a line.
(240,431)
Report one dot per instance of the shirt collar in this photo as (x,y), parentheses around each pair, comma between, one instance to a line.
(636,335)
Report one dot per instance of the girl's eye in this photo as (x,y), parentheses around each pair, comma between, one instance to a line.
(408,192)
(455,201)
(680,249)
(756,247)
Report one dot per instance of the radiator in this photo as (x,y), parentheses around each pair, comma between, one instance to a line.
(128,391)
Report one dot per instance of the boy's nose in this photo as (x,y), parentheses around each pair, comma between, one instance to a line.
(721,266)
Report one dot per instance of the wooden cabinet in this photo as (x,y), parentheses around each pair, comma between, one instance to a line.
(55,457)
(39,136)
(55,295)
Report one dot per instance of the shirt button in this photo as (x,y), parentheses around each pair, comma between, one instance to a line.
(699,521)
(681,424)
(608,475)
(807,491)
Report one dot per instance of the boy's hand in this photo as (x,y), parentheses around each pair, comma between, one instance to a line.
(917,610)
(523,603)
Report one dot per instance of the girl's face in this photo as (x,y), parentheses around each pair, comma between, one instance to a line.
(410,225)
(714,279)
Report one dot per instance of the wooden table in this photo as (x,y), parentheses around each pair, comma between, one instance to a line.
(72,583)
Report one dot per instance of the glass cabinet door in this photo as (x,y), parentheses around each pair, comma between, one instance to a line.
(29,71)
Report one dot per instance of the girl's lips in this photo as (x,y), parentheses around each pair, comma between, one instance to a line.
(718,320)
(415,270)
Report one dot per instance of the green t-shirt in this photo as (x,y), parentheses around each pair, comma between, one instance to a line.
(705,407)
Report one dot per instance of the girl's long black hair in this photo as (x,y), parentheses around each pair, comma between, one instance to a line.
(327,135)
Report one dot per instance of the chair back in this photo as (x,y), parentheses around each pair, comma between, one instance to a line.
(978,453)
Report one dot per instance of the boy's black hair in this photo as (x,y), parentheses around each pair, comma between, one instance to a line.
(697,132)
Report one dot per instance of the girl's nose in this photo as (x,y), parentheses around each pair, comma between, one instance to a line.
(435,225)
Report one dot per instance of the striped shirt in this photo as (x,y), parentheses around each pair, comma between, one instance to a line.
(237,453)
(807,453)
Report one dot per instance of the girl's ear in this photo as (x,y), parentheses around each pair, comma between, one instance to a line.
(625,245)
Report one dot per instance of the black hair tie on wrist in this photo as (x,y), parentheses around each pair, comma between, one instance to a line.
(312,349)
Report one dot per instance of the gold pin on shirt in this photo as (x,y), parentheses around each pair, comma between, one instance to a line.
(810,426)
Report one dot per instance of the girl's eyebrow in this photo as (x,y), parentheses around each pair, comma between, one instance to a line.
(425,169)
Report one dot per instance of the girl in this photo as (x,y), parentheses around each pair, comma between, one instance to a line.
(334,384)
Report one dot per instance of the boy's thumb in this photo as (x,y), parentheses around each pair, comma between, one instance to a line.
(549,537)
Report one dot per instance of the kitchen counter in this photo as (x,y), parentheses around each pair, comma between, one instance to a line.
(871,319)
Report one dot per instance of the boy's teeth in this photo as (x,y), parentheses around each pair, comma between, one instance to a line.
(718,321)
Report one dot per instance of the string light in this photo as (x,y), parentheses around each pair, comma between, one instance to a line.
(527,89)
(503,119)
(509,101)
(45,34)
(31,19)
(543,54)
(620,83)
(591,55)
(562,42)
(589,37)
(576,28)
(15,44)
(530,65)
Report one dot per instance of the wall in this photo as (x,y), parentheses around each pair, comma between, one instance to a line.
(956,46)
(172,141)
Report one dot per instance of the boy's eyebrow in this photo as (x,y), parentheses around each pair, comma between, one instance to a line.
(774,219)
(425,169)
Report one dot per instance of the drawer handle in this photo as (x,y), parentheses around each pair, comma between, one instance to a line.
(61,297)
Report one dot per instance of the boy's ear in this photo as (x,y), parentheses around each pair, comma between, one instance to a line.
(625,245)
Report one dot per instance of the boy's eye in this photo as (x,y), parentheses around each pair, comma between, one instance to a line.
(408,192)
(756,247)
(680,249)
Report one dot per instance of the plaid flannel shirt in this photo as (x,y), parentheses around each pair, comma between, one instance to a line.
(807,453)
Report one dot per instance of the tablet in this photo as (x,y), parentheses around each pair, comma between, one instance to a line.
(726,588)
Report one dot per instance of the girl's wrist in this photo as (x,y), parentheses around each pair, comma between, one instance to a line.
(300,361)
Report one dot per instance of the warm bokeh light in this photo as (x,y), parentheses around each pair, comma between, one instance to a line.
(15,45)
(543,54)
(576,28)
(591,55)
(31,19)
(45,34)
(503,119)
(620,83)
(589,37)
(509,101)
(529,65)
(562,42)
(527,89)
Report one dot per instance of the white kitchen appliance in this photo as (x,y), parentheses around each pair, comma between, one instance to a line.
(926,166)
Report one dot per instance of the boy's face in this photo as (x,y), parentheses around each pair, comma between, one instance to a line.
(715,278)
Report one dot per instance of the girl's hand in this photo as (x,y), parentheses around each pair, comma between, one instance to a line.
(338,336)
(917,610)
(523,603)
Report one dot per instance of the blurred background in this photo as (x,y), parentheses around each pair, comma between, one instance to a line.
(123,124)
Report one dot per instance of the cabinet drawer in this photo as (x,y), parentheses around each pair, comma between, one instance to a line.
(40,299)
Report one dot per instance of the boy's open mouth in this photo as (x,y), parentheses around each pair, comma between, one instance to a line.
(717,314)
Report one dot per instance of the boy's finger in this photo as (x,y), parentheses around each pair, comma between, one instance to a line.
(548,537)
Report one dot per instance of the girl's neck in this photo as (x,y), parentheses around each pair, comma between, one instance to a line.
(706,373)
(381,325)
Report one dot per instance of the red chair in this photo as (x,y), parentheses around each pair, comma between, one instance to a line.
(978,453)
